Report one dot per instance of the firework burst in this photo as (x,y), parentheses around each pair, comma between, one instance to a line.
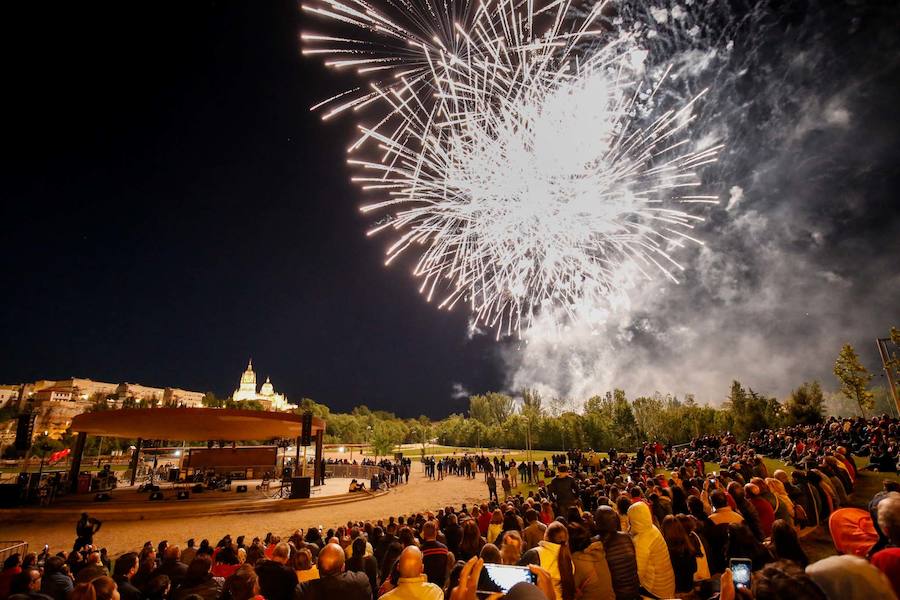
(524,171)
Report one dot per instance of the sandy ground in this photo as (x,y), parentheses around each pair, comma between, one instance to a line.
(122,536)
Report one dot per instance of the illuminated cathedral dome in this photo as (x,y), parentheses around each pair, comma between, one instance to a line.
(266,394)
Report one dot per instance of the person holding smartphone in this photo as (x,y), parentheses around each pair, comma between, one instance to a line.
(467,589)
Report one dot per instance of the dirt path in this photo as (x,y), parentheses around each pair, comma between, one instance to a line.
(122,536)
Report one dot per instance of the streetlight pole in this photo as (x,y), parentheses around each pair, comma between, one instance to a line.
(883,352)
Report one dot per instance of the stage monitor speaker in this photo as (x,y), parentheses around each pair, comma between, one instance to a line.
(173,475)
(102,497)
(156,496)
(198,488)
(24,430)
(183,495)
(241,489)
(306,429)
(300,487)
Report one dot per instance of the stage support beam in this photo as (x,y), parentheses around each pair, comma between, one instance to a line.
(135,456)
(318,474)
(75,470)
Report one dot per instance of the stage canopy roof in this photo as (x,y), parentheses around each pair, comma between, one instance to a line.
(193,424)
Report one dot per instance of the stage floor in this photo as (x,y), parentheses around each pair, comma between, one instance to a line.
(131,495)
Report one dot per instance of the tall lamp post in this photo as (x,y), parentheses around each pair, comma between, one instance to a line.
(888,369)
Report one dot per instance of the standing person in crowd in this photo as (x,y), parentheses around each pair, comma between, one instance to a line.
(334,583)
(564,489)
(653,563)
(507,486)
(85,529)
(492,486)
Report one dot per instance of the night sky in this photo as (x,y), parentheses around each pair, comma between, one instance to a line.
(172,207)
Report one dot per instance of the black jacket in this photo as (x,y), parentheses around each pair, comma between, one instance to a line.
(57,585)
(276,581)
(565,489)
(343,586)
(126,590)
(175,570)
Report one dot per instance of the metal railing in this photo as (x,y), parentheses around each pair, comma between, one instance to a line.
(8,548)
(364,472)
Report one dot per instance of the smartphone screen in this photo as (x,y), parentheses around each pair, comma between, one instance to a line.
(500,578)
(740,572)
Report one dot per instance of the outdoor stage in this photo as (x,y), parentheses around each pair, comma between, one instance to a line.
(216,482)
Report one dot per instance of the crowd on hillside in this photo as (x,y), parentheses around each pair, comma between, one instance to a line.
(651,524)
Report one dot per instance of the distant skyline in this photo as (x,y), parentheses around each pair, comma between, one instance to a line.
(172,208)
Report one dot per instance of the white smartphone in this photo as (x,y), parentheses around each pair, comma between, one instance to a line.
(741,568)
(500,578)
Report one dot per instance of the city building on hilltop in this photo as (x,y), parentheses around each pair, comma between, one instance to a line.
(266,394)
(9,395)
(57,402)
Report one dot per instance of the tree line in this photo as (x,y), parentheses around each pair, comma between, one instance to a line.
(499,420)
(610,420)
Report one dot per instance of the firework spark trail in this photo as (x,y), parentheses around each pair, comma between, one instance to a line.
(516,165)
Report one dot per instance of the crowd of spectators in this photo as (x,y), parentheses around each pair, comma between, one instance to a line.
(656,523)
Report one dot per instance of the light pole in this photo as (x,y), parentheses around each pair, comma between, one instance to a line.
(888,370)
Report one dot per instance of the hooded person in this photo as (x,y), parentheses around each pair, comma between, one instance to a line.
(785,507)
(592,576)
(619,554)
(849,577)
(653,563)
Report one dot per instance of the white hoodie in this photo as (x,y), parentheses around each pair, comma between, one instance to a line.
(653,563)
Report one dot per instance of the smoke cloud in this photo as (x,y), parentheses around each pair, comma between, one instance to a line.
(801,255)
